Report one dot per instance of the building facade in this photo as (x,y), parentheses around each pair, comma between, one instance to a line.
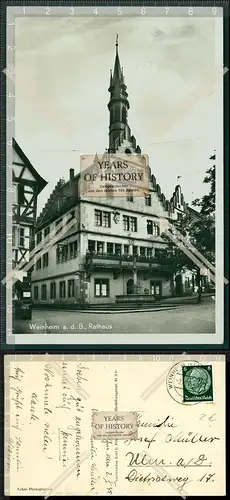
(26,186)
(112,251)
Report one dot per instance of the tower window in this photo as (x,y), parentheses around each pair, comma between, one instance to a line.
(124,115)
(117,114)
(128,152)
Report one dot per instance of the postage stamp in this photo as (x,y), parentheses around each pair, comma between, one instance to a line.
(197,383)
(174,381)
(114,425)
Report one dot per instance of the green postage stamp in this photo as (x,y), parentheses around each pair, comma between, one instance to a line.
(197,383)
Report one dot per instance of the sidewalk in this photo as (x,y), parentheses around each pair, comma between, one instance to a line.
(161,305)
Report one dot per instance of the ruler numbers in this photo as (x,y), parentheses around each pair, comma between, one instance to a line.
(119,11)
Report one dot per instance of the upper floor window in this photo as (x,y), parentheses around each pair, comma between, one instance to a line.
(39,237)
(102,218)
(129,197)
(153,228)
(100,247)
(45,259)
(72,250)
(117,248)
(91,245)
(70,216)
(110,248)
(21,237)
(133,224)
(58,223)
(46,231)
(129,223)
(148,200)
(58,255)
(65,253)
(39,264)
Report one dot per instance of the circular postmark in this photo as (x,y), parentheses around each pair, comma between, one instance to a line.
(174,380)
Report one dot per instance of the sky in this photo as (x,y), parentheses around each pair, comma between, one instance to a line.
(62,77)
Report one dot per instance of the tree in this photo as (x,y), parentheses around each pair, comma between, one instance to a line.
(199,229)
(207,203)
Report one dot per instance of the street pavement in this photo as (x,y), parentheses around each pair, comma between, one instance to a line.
(194,318)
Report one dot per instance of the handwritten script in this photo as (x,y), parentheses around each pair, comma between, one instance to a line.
(50,448)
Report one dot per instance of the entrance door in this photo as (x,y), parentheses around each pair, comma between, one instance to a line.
(179,285)
(156,288)
(130,286)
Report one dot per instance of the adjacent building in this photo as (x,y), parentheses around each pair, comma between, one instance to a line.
(111,252)
(26,186)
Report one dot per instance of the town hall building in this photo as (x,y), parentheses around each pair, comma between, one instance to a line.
(101,250)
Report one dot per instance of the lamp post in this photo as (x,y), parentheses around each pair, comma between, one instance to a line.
(82,292)
(134,262)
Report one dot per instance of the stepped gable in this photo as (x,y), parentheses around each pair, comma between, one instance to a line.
(50,201)
(162,198)
(177,199)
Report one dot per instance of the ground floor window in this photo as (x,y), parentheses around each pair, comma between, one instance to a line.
(53,290)
(101,288)
(187,283)
(156,288)
(36,293)
(70,288)
(62,291)
(44,292)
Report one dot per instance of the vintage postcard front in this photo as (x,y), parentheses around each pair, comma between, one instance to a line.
(114,425)
(114,175)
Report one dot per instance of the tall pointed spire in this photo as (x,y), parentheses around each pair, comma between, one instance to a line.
(117,73)
(119,130)
(117,43)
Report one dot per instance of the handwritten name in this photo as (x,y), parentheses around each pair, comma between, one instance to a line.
(166,422)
